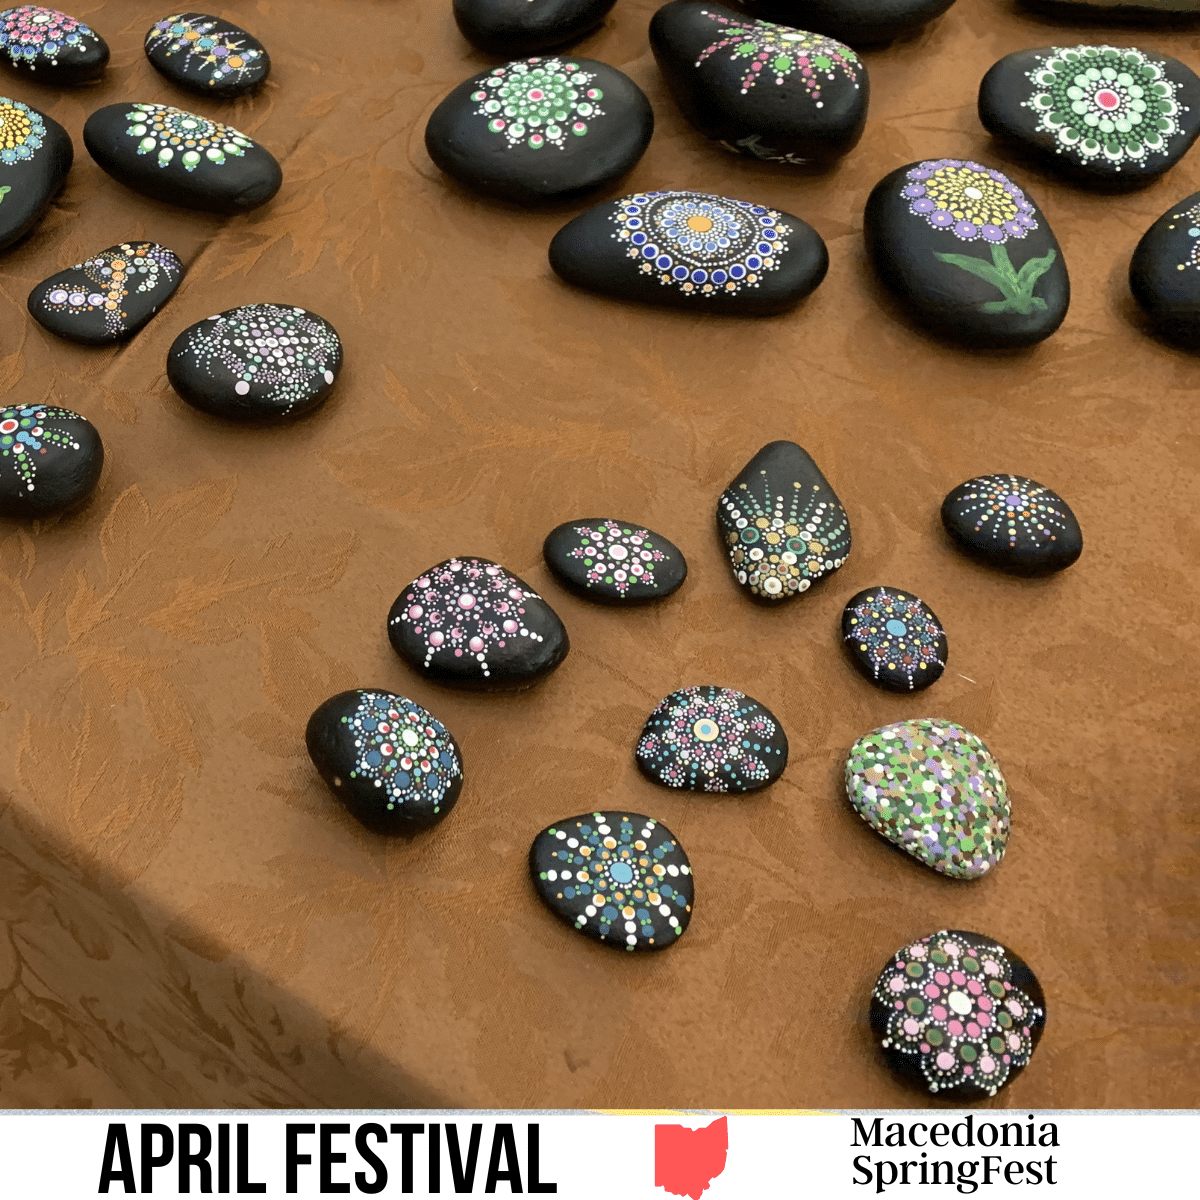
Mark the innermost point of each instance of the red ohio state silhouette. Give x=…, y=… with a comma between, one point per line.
x=686, y=1161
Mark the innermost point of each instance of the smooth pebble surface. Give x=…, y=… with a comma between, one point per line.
x=35, y=156
x=207, y=55
x=859, y=22
x=512, y=28
x=50, y=46
x=50, y=459
x=894, y=639
x=614, y=562
x=1164, y=273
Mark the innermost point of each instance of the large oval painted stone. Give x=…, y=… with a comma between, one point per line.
x=260, y=362
x=207, y=54
x=541, y=129
x=712, y=739
x=35, y=156
x=616, y=877
x=614, y=562
x=51, y=46
x=894, y=639
x=1094, y=114
x=1013, y=523
x=694, y=251
x=782, y=524
x=768, y=91
x=957, y=1015
x=514, y=28
x=109, y=297
x=1164, y=273
x=968, y=254
x=859, y=22
x=933, y=789
x=393, y=764
x=469, y=623
x=50, y=460
x=182, y=158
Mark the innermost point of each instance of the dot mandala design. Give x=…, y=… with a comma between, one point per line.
x=22, y=131
x=899, y=635
x=768, y=49
x=402, y=750
x=539, y=101
x=709, y=739
x=1104, y=104
x=1189, y=221
x=466, y=606
x=970, y=200
x=31, y=32
x=174, y=131
x=216, y=55
x=617, y=555
x=139, y=267
x=703, y=245
x=932, y=788
x=628, y=879
x=953, y=1008
x=1008, y=507
x=26, y=433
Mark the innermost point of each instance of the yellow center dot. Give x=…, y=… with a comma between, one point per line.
x=699, y=224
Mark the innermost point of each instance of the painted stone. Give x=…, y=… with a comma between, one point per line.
x=894, y=639
x=393, y=764
x=782, y=524
x=50, y=460
x=614, y=562
x=957, y=1015
x=933, y=789
x=859, y=22
x=1164, y=273
x=469, y=623
x=712, y=739
x=1013, y=523
x=1115, y=116
x=207, y=55
x=50, y=46
x=767, y=91
x=968, y=254
x=514, y=28
x=616, y=877
x=109, y=297
x=694, y=251
x=541, y=129
x=182, y=158
x=258, y=362
x=35, y=156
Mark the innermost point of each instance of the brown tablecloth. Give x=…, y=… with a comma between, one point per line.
x=191, y=918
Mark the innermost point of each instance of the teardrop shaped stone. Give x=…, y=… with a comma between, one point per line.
x=859, y=22
x=895, y=639
x=1164, y=273
x=616, y=877
x=50, y=46
x=207, y=55
x=782, y=524
x=50, y=459
x=515, y=28
x=35, y=156
x=933, y=789
x=614, y=562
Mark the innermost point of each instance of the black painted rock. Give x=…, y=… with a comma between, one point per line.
x=182, y=158
x=614, y=562
x=469, y=623
x=513, y=28
x=541, y=129
x=1164, y=273
x=768, y=91
x=109, y=297
x=894, y=639
x=1013, y=523
x=50, y=459
x=617, y=877
x=859, y=22
x=957, y=1014
x=35, y=156
x=258, y=362
x=967, y=253
x=51, y=46
x=207, y=55
x=782, y=524
x=394, y=765
x=1094, y=114
x=694, y=251
x=712, y=739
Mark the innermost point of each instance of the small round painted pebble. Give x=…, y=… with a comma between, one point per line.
x=933, y=789
x=35, y=156
x=1164, y=273
x=616, y=877
x=957, y=1015
x=50, y=459
x=258, y=362
x=894, y=639
x=1013, y=523
x=712, y=739
x=207, y=55
x=393, y=764
x=51, y=46
x=614, y=562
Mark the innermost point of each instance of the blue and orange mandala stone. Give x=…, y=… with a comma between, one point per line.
x=894, y=639
x=618, y=878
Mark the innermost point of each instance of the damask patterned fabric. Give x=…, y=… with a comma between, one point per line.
x=190, y=918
